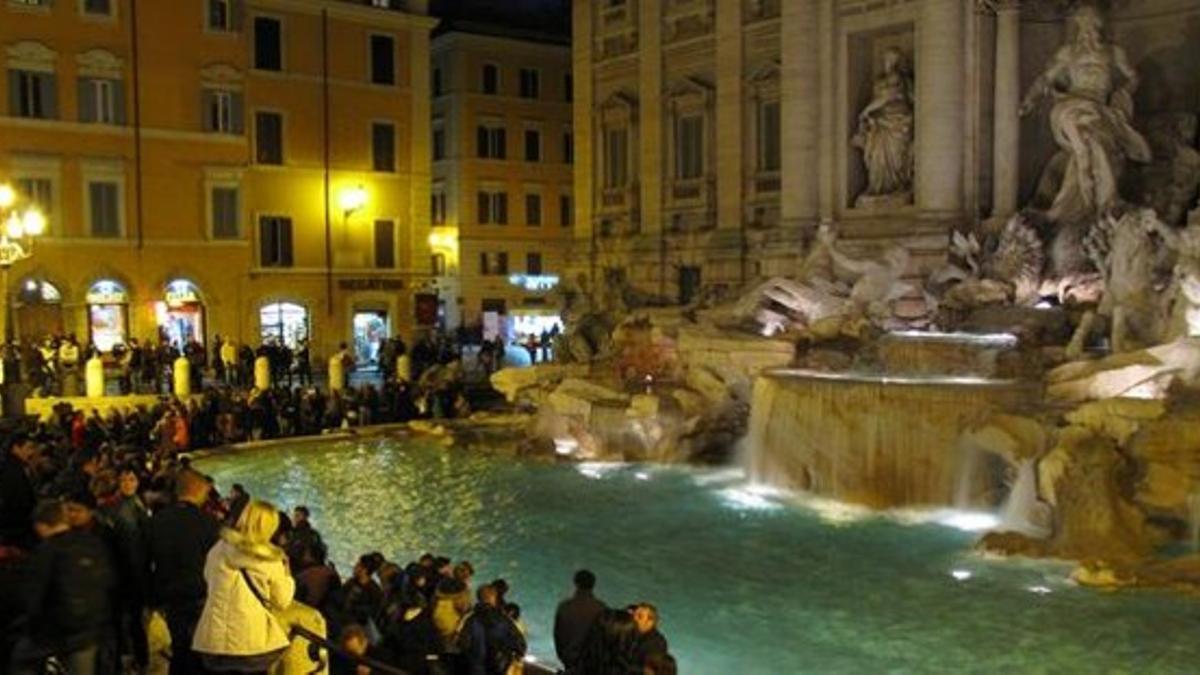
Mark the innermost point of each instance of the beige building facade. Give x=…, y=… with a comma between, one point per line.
x=716, y=136
x=503, y=150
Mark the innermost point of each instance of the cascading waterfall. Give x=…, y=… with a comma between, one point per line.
x=878, y=440
x=1022, y=511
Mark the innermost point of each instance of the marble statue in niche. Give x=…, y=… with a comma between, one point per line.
x=1091, y=83
x=885, y=136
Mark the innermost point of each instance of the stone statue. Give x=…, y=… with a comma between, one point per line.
x=1092, y=84
x=885, y=136
x=1171, y=183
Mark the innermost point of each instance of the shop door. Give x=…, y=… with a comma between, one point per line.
x=370, y=330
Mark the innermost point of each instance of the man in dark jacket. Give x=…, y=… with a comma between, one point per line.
x=18, y=495
x=489, y=641
x=574, y=618
x=179, y=540
x=68, y=595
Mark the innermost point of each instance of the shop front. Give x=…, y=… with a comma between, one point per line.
x=180, y=314
x=283, y=322
x=108, y=314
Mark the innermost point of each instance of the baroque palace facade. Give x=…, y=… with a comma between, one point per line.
x=236, y=167
x=714, y=137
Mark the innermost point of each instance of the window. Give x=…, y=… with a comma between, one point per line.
x=493, y=208
x=533, y=209
x=501, y=267
x=566, y=211
x=533, y=145
x=223, y=15
x=437, y=264
x=568, y=87
x=530, y=84
x=438, y=208
x=491, y=79
x=485, y=267
x=104, y=207
x=436, y=82
x=101, y=101
x=439, y=143
x=768, y=137
x=226, y=220
x=533, y=263
x=383, y=146
x=275, y=241
x=39, y=192
x=223, y=111
x=491, y=141
x=616, y=148
x=689, y=147
x=568, y=147
x=32, y=94
x=383, y=59
x=385, y=244
x=268, y=43
x=268, y=138
x=98, y=7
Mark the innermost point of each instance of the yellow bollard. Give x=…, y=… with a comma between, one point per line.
x=183, y=377
x=262, y=373
x=337, y=372
x=94, y=372
x=403, y=368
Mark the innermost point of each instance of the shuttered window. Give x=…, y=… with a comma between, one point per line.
x=104, y=206
x=275, y=241
x=32, y=94
x=385, y=244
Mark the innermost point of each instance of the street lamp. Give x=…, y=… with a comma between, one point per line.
x=16, y=244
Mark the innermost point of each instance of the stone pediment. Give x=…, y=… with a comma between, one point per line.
x=100, y=63
x=619, y=106
x=689, y=86
x=31, y=55
x=767, y=73
x=221, y=73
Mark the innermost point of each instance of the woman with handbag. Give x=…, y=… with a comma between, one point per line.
x=248, y=584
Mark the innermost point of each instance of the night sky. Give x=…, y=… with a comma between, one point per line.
x=552, y=16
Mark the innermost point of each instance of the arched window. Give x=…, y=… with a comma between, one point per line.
x=39, y=292
x=284, y=321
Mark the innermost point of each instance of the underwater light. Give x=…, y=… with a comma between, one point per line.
x=1040, y=590
x=565, y=446
x=642, y=475
x=961, y=575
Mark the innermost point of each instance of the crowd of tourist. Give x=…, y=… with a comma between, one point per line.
x=128, y=527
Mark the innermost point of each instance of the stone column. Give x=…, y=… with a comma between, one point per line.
x=801, y=108
x=1006, y=124
x=941, y=102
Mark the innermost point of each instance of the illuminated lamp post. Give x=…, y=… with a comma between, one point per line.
x=16, y=244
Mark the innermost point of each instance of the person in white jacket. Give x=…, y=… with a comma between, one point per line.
x=248, y=583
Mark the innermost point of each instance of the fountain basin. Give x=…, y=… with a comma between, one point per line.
x=879, y=440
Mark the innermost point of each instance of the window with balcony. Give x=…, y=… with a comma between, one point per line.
x=493, y=207
x=268, y=138
x=101, y=101
x=275, y=241
x=533, y=145
x=385, y=244
x=491, y=141
x=268, y=43
x=491, y=79
x=32, y=94
x=383, y=59
x=533, y=209
x=383, y=146
x=223, y=111
x=689, y=147
x=530, y=83
x=225, y=220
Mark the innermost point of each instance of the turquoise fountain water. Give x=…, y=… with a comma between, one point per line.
x=747, y=582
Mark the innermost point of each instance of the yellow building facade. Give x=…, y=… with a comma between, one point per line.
x=502, y=197
x=235, y=167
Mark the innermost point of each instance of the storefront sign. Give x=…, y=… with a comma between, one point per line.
x=534, y=282
x=371, y=284
x=107, y=293
x=180, y=293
